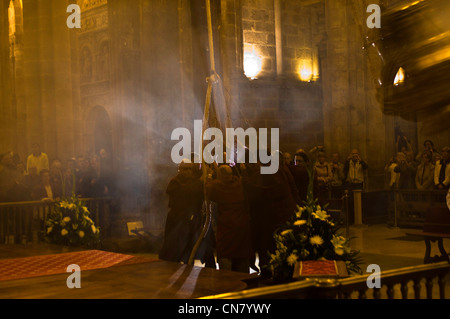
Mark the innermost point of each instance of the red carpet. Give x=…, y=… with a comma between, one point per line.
x=19, y=268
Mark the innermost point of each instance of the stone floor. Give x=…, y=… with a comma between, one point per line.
x=391, y=248
x=388, y=247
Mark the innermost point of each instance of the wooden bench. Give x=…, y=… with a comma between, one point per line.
x=435, y=229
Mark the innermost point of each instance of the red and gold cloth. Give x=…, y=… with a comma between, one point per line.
x=37, y=266
x=314, y=268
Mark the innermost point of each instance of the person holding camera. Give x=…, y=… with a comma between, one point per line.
x=355, y=171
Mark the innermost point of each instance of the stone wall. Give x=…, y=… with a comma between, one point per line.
x=277, y=98
x=143, y=68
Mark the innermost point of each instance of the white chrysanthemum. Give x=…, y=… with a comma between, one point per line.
x=316, y=240
x=81, y=234
x=66, y=219
x=64, y=232
x=292, y=259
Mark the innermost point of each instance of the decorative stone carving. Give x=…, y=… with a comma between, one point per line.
x=86, y=64
x=91, y=4
x=103, y=61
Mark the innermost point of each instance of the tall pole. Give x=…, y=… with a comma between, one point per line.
x=205, y=125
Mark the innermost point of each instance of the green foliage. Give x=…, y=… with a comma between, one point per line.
x=310, y=235
x=69, y=224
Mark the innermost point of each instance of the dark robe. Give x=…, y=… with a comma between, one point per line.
x=271, y=205
x=184, y=219
x=233, y=237
x=301, y=179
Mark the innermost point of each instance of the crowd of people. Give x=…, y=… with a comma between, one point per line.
x=246, y=206
x=428, y=170
x=39, y=179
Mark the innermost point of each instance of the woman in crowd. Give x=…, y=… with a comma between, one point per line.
x=425, y=172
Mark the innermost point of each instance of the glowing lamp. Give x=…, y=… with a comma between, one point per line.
x=252, y=64
x=399, y=77
x=305, y=71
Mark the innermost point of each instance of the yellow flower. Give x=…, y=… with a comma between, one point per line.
x=316, y=240
x=64, y=204
x=49, y=230
x=299, y=222
x=292, y=259
x=66, y=219
x=71, y=206
x=340, y=245
x=321, y=214
x=300, y=211
x=81, y=234
x=85, y=209
x=64, y=232
x=74, y=226
x=94, y=230
x=285, y=232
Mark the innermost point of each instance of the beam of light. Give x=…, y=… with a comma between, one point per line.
x=252, y=64
x=435, y=58
x=411, y=4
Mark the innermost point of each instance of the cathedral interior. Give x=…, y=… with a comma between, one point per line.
x=133, y=71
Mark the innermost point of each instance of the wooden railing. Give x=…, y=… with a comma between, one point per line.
x=409, y=207
x=416, y=282
x=406, y=207
x=24, y=222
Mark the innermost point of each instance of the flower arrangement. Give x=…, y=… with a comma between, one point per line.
x=69, y=224
x=310, y=235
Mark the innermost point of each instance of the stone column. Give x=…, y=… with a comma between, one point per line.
x=231, y=53
x=63, y=88
x=336, y=79
x=6, y=121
